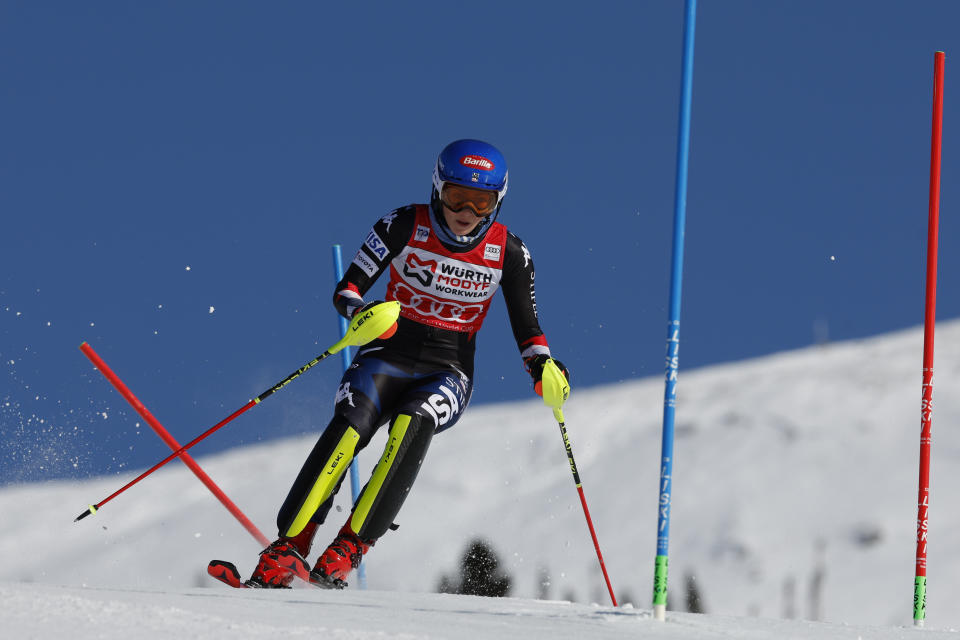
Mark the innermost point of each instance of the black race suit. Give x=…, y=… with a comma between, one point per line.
x=423, y=373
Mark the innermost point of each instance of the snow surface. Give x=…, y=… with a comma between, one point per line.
x=45, y=611
x=792, y=471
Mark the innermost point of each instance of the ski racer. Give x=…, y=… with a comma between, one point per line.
x=444, y=261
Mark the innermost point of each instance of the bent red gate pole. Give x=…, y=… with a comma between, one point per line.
x=172, y=443
x=378, y=321
x=929, y=324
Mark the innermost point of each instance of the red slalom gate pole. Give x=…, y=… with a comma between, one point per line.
x=172, y=443
x=929, y=324
x=379, y=320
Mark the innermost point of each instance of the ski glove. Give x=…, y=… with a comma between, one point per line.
x=369, y=305
x=534, y=366
x=365, y=307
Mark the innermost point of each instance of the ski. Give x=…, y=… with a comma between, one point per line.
x=226, y=572
x=285, y=564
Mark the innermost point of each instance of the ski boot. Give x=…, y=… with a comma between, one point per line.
x=279, y=564
x=342, y=556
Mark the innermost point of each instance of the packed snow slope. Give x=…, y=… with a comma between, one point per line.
x=47, y=611
x=795, y=484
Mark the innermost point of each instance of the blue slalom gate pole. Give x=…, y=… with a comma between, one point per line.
x=673, y=324
x=346, y=358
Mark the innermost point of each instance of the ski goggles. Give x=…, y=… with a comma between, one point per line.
x=457, y=198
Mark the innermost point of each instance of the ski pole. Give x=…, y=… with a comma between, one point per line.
x=375, y=322
x=556, y=390
x=171, y=442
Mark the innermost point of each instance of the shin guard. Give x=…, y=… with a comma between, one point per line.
x=381, y=499
x=318, y=479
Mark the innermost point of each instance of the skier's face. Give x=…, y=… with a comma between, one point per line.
x=456, y=196
x=462, y=222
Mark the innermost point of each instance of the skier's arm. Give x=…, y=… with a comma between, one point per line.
x=517, y=284
x=384, y=242
x=521, y=297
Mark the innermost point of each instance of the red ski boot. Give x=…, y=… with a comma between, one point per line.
x=279, y=564
x=342, y=556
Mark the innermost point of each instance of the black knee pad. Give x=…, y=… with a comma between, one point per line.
x=381, y=498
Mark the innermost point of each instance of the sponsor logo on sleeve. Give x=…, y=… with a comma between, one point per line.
x=423, y=232
x=362, y=261
x=388, y=219
x=491, y=252
x=376, y=245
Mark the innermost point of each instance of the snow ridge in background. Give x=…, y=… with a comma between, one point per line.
x=791, y=470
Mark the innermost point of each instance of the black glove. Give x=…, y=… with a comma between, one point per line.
x=366, y=306
x=534, y=366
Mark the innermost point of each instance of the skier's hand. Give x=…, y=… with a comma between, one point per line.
x=366, y=307
x=534, y=366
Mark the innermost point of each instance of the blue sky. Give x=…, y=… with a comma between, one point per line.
x=162, y=159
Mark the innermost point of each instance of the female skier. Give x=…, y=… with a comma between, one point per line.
x=446, y=260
